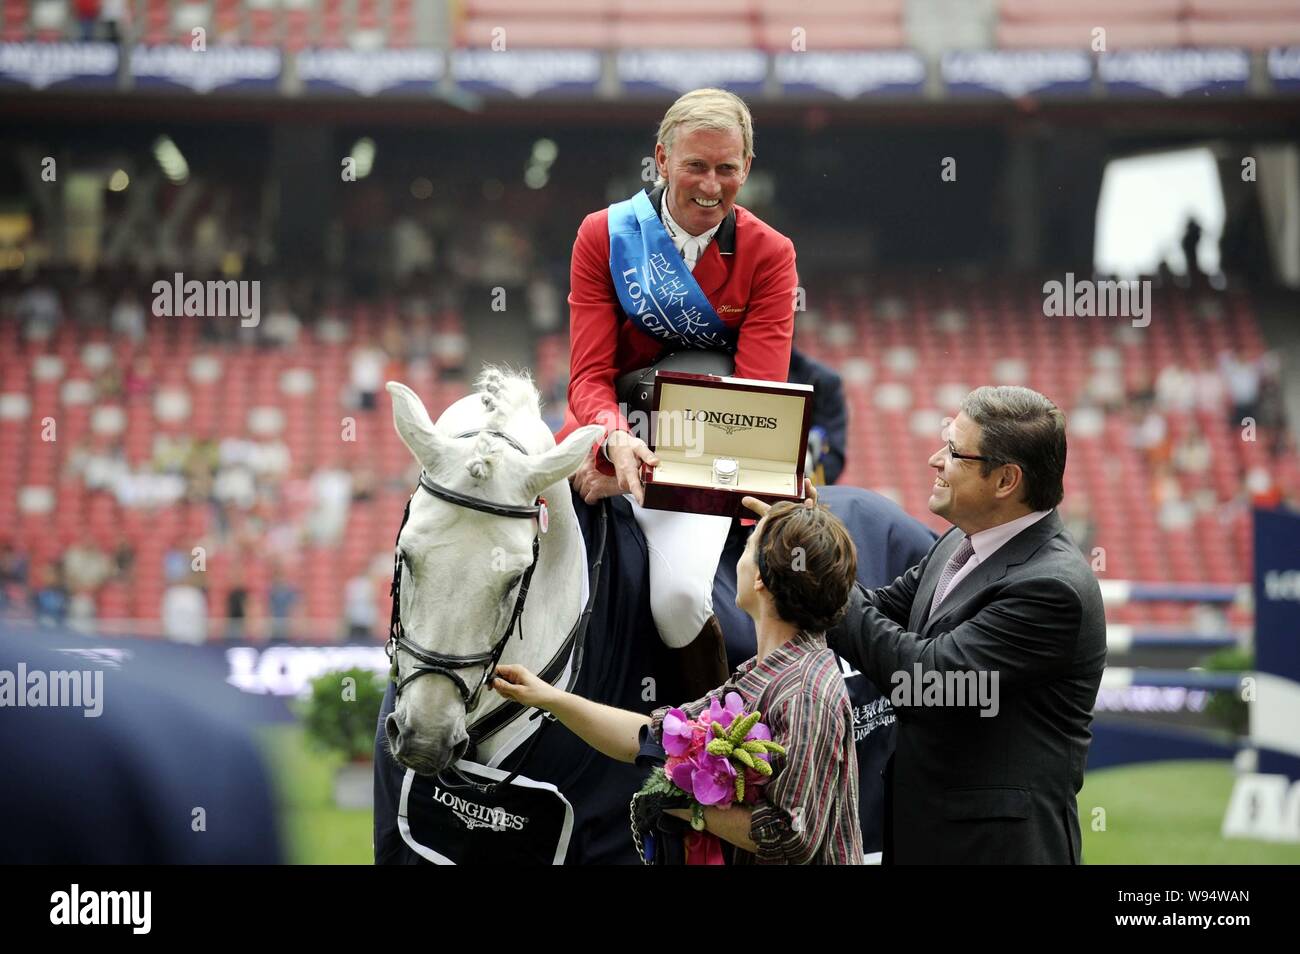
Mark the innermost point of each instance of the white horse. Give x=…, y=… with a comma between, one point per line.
x=462, y=567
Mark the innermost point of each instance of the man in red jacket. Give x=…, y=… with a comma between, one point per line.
x=735, y=295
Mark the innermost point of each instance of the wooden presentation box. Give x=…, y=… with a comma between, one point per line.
x=700, y=418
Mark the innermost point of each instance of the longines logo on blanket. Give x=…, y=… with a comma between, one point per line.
x=473, y=815
x=730, y=421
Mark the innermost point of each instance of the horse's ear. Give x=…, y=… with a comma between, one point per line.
x=414, y=426
x=561, y=461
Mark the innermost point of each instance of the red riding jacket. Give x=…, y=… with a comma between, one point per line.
x=748, y=274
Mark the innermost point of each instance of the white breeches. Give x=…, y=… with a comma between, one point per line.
x=684, y=549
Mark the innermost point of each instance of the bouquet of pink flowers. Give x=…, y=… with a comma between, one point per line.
x=721, y=758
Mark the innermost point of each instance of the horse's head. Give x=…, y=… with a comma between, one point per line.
x=461, y=567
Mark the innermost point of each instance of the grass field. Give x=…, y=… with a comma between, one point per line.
x=1166, y=813
x=313, y=830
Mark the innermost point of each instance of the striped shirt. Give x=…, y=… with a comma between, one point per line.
x=808, y=813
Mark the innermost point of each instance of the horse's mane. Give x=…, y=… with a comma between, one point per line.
x=503, y=392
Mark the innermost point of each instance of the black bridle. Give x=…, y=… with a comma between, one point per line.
x=443, y=664
x=447, y=665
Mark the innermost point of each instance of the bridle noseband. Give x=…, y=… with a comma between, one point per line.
x=443, y=664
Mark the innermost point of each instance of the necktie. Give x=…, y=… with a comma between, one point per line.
x=692, y=250
x=958, y=560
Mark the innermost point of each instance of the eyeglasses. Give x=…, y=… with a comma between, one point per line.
x=952, y=451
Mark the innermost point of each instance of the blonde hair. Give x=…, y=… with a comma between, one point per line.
x=707, y=108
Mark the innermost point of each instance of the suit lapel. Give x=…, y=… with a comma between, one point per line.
x=711, y=271
x=1014, y=552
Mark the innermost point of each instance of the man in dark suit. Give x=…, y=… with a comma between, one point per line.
x=1004, y=601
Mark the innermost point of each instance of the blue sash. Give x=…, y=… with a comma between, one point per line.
x=654, y=286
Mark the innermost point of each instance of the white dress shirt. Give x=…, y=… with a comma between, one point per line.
x=690, y=246
x=990, y=541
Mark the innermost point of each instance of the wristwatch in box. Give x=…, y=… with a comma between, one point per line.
x=721, y=439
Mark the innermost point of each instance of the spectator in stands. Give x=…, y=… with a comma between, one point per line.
x=86, y=567
x=1263, y=489
x=1241, y=379
x=87, y=17
x=544, y=311
x=81, y=611
x=127, y=320
x=283, y=598
x=1191, y=243
x=237, y=601
x=39, y=310
x=124, y=561
x=50, y=602
x=185, y=611
x=1272, y=407
x=367, y=375
x=363, y=484
x=281, y=326
x=332, y=490
x=1175, y=389
x=1077, y=516
x=1192, y=454
x=13, y=576
x=1209, y=389
x=1150, y=435
x=1172, y=510
x=359, y=606
x=140, y=378
x=108, y=385
x=116, y=17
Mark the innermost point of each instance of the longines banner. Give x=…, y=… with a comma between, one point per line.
x=1015, y=73
x=48, y=65
x=741, y=71
x=1175, y=72
x=371, y=71
x=526, y=73
x=1284, y=67
x=849, y=75
x=218, y=67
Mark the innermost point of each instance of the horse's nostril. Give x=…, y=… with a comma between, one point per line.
x=458, y=752
x=392, y=732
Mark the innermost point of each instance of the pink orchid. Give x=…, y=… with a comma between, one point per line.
x=714, y=781
x=733, y=706
x=677, y=732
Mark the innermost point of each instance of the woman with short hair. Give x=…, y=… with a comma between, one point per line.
x=793, y=580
